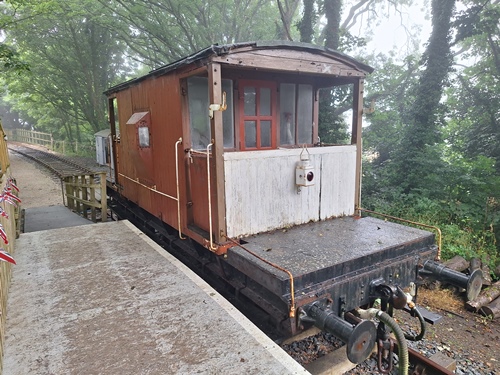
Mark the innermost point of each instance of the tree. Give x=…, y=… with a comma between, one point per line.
x=335, y=35
x=9, y=58
x=391, y=86
x=159, y=32
x=73, y=58
x=473, y=131
x=287, y=11
x=10, y=61
x=475, y=98
x=333, y=13
x=417, y=158
x=306, y=24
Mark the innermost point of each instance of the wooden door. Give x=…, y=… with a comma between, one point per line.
x=198, y=207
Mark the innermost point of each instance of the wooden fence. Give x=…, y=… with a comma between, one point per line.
x=10, y=227
x=31, y=137
x=83, y=194
x=47, y=140
x=86, y=195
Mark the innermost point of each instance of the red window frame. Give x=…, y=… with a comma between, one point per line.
x=257, y=117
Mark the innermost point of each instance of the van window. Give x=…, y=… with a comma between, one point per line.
x=257, y=115
x=198, y=101
x=296, y=114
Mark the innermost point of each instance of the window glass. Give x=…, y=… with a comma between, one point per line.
x=114, y=108
x=337, y=130
x=250, y=134
x=198, y=112
x=143, y=133
x=250, y=101
x=228, y=114
x=305, y=114
x=265, y=134
x=257, y=114
x=287, y=114
x=265, y=101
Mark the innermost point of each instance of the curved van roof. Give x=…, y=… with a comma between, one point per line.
x=220, y=51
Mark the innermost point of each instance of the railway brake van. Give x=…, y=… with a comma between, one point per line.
x=219, y=154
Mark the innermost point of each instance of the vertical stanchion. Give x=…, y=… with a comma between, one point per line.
x=104, y=198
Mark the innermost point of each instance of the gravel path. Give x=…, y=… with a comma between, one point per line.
x=37, y=187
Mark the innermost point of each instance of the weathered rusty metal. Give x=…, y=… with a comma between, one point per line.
x=359, y=339
x=423, y=365
x=385, y=350
x=472, y=283
x=292, y=289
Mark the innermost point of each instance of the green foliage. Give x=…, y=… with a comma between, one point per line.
x=332, y=127
x=467, y=212
x=472, y=234
x=73, y=58
x=10, y=61
x=422, y=131
x=474, y=98
x=457, y=161
x=306, y=24
x=162, y=32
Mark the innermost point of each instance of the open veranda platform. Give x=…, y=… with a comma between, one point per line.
x=315, y=252
x=105, y=299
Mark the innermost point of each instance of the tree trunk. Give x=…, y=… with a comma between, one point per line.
x=306, y=24
x=486, y=275
x=333, y=11
x=475, y=264
x=485, y=297
x=328, y=121
x=492, y=309
x=457, y=263
x=416, y=155
x=287, y=11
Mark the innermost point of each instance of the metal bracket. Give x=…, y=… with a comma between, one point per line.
x=217, y=107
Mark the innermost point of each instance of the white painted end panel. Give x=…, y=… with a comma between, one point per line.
x=338, y=181
x=261, y=194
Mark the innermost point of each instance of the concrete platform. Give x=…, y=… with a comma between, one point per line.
x=51, y=217
x=105, y=299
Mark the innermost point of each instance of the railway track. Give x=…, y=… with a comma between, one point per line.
x=63, y=167
x=58, y=165
x=330, y=354
x=83, y=183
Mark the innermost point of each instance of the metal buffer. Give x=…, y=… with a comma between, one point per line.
x=472, y=283
x=359, y=339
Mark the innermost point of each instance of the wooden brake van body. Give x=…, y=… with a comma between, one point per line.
x=239, y=124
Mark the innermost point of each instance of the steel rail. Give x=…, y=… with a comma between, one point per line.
x=424, y=365
x=55, y=163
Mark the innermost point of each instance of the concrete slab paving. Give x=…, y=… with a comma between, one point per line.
x=51, y=217
x=105, y=299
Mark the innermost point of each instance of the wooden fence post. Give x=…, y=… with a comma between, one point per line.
x=104, y=198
